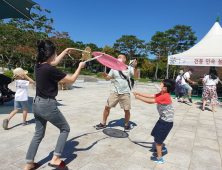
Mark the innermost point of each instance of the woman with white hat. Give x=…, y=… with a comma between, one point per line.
x=21, y=96
x=179, y=89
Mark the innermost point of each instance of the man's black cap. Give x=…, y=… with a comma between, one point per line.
x=191, y=69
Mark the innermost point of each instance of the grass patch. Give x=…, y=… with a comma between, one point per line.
x=144, y=80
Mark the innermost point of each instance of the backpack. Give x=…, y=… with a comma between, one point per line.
x=129, y=81
x=185, y=79
x=179, y=82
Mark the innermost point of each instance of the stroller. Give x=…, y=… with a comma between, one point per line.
x=5, y=96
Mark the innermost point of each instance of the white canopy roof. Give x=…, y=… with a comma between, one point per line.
x=210, y=47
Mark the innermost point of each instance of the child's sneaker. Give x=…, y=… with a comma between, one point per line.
x=5, y=124
x=160, y=161
x=26, y=123
x=164, y=149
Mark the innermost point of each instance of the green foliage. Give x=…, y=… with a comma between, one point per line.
x=181, y=38
x=86, y=72
x=31, y=75
x=99, y=75
x=147, y=69
x=9, y=73
x=130, y=45
x=18, y=37
x=110, y=51
x=94, y=47
x=170, y=42
x=144, y=80
x=82, y=72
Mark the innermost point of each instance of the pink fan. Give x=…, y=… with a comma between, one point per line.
x=106, y=60
x=109, y=61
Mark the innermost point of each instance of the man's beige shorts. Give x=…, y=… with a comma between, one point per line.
x=122, y=99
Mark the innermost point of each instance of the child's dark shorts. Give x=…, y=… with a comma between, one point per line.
x=161, y=130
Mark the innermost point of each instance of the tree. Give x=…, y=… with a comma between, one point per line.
x=181, y=39
x=130, y=45
x=110, y=51
x=94, y=47
x=158, y=45
x=147, y=68
x=62, y=41
x=170, y=42
x=18, y=37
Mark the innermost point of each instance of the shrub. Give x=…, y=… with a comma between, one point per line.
x=86, y=72
x=31, y=75
x=9, y=73
x=99, y=75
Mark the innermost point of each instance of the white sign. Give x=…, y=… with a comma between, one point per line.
x=195, y=61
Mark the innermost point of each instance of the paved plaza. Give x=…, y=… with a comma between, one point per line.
x=194, y=143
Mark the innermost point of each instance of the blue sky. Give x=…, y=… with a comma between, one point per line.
x=104, y=21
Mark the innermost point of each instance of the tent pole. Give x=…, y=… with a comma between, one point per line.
x=167, y=68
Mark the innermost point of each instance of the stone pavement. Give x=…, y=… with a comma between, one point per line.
x=194, y=143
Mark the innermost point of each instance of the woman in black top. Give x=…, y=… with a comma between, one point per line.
x=44, y=106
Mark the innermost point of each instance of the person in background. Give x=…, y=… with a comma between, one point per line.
x=9, y=67
x=186, y=86
x=210, y=93
x=179, y=89
x=9, y=91
x=21, y=96
x=204, y=85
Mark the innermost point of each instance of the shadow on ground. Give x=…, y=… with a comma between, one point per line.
x=70, y=149
x=20, y=124
x=30, y=101
x=121, y=123
x=77, y=87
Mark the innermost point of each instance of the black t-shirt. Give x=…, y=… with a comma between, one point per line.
x=47, y=78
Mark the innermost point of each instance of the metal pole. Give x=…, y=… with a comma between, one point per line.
x=167, y=68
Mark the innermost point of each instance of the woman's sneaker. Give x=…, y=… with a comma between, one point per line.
x=160, y=161
x=5, y=124
x=100, y=126
x=164, y=149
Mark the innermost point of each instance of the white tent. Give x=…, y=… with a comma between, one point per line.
x=208, y=52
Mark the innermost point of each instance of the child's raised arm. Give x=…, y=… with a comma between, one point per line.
x=144, y=95
x=150, y=101
x=27, y=77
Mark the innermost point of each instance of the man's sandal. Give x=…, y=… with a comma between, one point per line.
x=62, y=165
